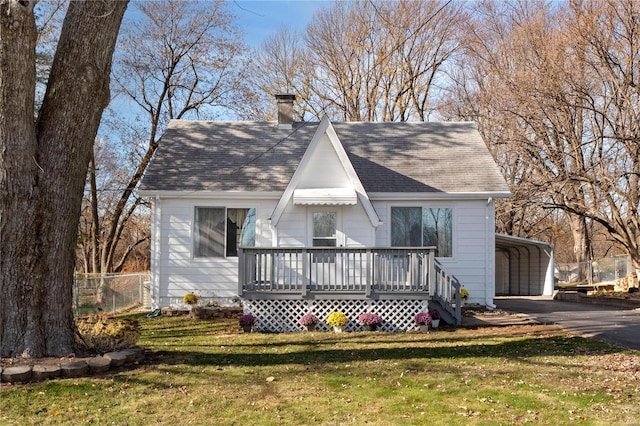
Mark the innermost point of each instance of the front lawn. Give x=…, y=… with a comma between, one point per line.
x=209, y=372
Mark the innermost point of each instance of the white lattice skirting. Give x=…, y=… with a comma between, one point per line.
x=284, y=315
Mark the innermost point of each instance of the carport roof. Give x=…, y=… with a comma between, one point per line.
x=510, y=241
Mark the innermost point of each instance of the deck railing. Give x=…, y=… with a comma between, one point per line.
x=336, y=271
x=346, y=273
x=447, y=292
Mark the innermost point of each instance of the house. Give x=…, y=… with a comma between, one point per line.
x=296, y=216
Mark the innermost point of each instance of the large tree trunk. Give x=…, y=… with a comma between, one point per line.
x=42, y=177
x=581, y=245
x=21, y=286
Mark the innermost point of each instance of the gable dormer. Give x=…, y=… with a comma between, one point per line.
x=325, y=176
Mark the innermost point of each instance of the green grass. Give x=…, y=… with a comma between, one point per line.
x=208, y=372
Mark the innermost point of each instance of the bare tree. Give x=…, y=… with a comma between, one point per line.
x=281, y=65
x=608, y=44
x=559, y=82
x=178, y=60
x=43, y=166
x=376, y=61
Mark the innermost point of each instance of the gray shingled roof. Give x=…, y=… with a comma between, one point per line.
x=257, y=156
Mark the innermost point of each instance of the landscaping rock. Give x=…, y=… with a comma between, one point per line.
x=139, y=353
x=130, y=355
x=213, y=312
x=172, y=312
x=74, y=369
x=117, y=358
x=46, y=371
x=20, y=373
x=99, y=364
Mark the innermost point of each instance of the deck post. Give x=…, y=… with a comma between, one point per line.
x=369, y=273
x=241, y=271
x=306, y=272
x=432, y=273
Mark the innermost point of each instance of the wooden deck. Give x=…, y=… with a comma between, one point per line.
x=410, y=273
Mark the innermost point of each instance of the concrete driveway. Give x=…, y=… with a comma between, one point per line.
x=612, y=324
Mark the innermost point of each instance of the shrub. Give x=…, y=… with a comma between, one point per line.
x=106, y=335
x=337, y=319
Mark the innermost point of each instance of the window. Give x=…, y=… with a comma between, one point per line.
x=324, y=235
x=218, y=231
x=422, y=227
x=324, y=229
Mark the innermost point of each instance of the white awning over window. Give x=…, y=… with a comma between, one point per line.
x=325, y=196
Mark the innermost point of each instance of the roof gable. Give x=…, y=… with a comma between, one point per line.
x=325, y=149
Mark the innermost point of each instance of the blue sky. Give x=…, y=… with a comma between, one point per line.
x=258, y=19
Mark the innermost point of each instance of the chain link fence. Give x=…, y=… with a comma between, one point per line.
x=111, y=293
x=610, y=270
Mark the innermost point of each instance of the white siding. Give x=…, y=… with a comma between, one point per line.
x=357, y=227
x=175, y=271
x=473, y=234
x=292, y=228
x=354, y=227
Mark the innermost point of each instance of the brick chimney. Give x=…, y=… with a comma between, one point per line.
x=285, y=110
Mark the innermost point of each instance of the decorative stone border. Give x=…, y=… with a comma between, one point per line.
x=619, y=302
x=203, y=312
x=99, y=364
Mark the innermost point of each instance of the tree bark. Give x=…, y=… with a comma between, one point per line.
x=43, y=169
x=581, y=244
x=21, y=286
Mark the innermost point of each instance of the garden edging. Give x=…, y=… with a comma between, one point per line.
x=98, y=364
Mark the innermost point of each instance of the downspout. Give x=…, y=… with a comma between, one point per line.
x=490, y=233
x=155, y=289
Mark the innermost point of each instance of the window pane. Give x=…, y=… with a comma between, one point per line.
x=437, y=230
x=248, y=233
x=209, y=227
x=324, y=224
x=406, y=224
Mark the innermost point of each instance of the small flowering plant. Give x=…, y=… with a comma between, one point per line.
x=337, y=319
x=422, y=318
x=246, y=320
x=434, y=313
x=309, y=319
x=464, y=293
x=369, y=319
x=190, y=299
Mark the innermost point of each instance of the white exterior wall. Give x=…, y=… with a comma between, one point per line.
x=354, y=227
x=292, y=228
x=174, y=269
x=176, y=272
x=473, y=260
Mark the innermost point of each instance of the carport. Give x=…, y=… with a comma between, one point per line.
x=524, y=267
